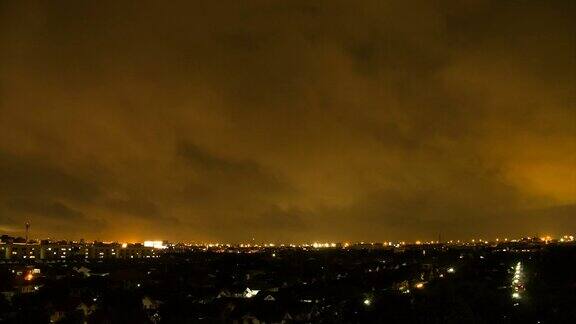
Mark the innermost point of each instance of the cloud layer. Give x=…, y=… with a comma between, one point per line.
x=288, y=120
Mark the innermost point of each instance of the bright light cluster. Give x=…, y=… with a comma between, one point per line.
x=517, y=282
x=249, y=293
x=567, y=238
x=323, y=245
x=155, y=244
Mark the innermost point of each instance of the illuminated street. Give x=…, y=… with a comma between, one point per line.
x=517, y=283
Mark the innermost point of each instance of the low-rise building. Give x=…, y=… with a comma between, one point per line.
x=138, y=251
x=59, y=251
x=20, y=251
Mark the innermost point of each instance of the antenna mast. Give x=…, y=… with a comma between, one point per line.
x=27, y=231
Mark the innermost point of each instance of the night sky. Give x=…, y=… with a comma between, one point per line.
x=287, y=121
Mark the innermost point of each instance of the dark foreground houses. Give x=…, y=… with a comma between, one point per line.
x=506, y=281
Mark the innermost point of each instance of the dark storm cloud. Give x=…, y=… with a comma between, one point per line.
x=50, y=209
x=49, y=217
x=289, y=120
x=229, y=172
x=33, y=176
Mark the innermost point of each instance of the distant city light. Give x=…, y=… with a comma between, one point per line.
x=367, y=302
x=450, y=270
x=155, y=244
x=516, y=295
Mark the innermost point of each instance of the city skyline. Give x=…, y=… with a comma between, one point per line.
x=287, y=121
x=26, y=238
